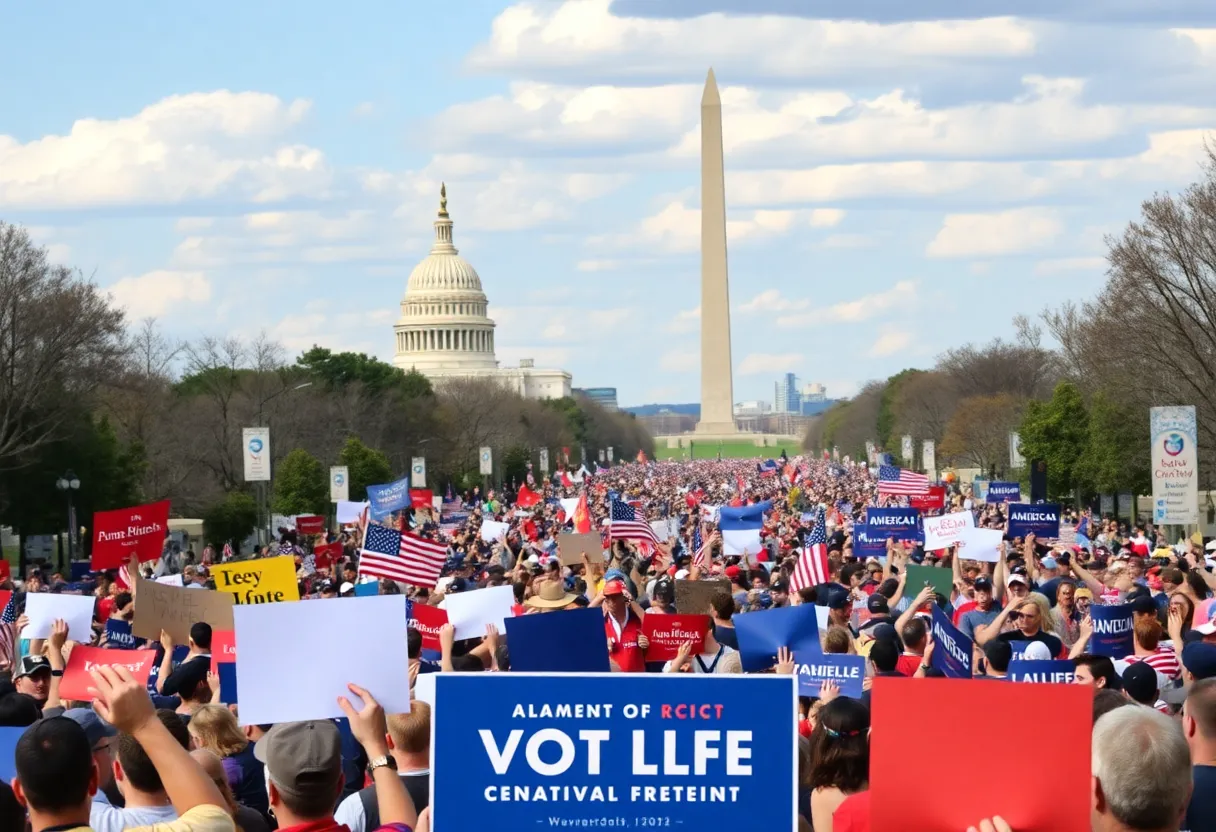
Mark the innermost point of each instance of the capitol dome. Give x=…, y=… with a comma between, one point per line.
x=443, y=328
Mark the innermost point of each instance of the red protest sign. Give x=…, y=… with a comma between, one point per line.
x=935, y=499
x=6, y=570
x=917, y=713
x=427, y=620
x=327, y=554
x=76, y=679
x=310, y=524
x=223, y=648
x=667, y=632
x=139, y=529
x=421, y=498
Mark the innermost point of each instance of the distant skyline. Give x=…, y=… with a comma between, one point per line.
x=901, y=178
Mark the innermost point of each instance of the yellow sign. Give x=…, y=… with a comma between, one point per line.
x=261, y=581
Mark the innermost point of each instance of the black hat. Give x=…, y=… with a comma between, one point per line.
x=983, y=583
x=1144, y=604
x=29, y=665
x=877, y=604
x=1140, y=682
x=838, y=598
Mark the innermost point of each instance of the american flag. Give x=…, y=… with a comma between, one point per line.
x=812, y=567
x=401, y=556
x=899, y=482
x=8, y=629
x=623, y=524
x=700, y=549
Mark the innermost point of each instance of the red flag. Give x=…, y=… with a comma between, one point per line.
x=118, y=533
x=566, y=481
x=582, y=515
x=527, y=497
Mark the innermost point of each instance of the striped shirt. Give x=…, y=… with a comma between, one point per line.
x=1164, y=661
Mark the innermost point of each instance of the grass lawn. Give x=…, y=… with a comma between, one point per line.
x=730, y=450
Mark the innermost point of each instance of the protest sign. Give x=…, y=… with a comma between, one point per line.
x=119, y=533
x=223, y=648
x=1004, y=492
x=170, y=580
x=428, y=621
x=82, y=660
x=1058, y=671
x=952, y=651
x=567, y=641
x=493, y=531
x=308, y=524
x=934, y=500
x=8, y=751
x=1113, y=630
x=570, y=548
x=945, y=530
x=348, y=513
x=325, y=555
x=119, y=635
x=916, y=713
x=866, y=545
x=258, y=581
x=42, y=608
x=667, y=632
x=470, y=612
x=524, y=749
x=364, y=589
x=422, y=499
x=846, y=671
x=694, y=597
x=278, y=674
x=227, y=674
x=981, y=544
x=940, y=578
x=761, y=633
x=893, y=523
x=1040, y=519
x=174, y=609
x=387, y=498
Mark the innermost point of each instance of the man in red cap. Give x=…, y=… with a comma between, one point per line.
x=623, y=627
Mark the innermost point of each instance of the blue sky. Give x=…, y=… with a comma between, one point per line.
x=896, y=183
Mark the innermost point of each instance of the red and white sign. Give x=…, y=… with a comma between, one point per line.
x=310, y=524
x=421, y=498
x=947, y=529
x=428, y=620
x=223, y=648
x=667, y=632
x=327, y=554
x=139, y=529
x=83, y=660
x=933, y=501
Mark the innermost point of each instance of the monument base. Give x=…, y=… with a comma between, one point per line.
x=716, y=429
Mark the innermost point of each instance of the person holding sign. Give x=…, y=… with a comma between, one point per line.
x=623, y=627
x=714, y=658
x=1029, y=617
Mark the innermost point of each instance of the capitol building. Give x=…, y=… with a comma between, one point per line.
x=444, y=331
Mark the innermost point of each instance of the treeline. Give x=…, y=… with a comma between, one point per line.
x=139, y=417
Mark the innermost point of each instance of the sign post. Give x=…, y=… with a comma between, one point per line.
x=418, y=472
x=255, y=443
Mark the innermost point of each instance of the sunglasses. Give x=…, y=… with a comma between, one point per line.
x=1025, y=615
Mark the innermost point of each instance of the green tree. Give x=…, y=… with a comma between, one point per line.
x=335, y=370
x=367, y=466
x=1116, y=457
x=887, y=415
x=515, y=464
x=230, y=521
x=1057, y=431
x=300, y=485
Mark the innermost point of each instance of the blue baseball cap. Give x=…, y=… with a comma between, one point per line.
x=1200, y=659
x=95, y=728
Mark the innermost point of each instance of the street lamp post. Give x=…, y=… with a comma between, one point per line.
x=68, y=484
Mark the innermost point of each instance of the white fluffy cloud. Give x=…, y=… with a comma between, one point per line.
x=899, y=297
x=157, y=293
x=686, y=320
x=182, y=148
x=890, y=343
x=994, y=235
x=677, y=227
x=768, y=363
x=771, y=300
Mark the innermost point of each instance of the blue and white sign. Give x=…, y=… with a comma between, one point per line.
x=1004, y=492
x=385, y=499
x=1113, y=630
x=893, y=523
x=1040, y=519
x=952, y=651
x=846, y=671
x=256, y=444
x=118, y=634
x=339, y=484
x=639, y=750
x=866, y=545
x=1019, y=650
x=761, y=634
x=1061, y=671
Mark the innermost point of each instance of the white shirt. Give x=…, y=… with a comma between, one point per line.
x=106, y=818
x=710, y=663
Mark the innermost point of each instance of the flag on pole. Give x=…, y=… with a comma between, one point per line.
x=900, y=482
x=812, y=567
x=401, y=556
x=624, y=524
x=700, y=547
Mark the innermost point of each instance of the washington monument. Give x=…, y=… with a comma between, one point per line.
x=717, y=388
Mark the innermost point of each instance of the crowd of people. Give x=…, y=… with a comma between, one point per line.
x=173, y=756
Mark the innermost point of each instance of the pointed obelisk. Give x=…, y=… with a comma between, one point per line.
x=717, y=388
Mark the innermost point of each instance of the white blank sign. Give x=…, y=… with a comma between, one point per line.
x=295, y=659
x=470, y=612
x=42, y=608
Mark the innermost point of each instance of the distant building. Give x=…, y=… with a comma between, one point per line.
x=756, y=408
x=786, y=398
x=667, y=422
x=605, y=397
x=814, y=393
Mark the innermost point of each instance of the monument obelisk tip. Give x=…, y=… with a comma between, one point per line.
x=710, y=96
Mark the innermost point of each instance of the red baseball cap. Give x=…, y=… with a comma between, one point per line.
x=614, y=588
x=731, y=571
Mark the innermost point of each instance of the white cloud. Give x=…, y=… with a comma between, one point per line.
x=548, y=358
x=771, y=300
x=584, y=33
x=359, y=330
x=554, y=331
x=890, y=343
x=994, y=235
x=364, y=109
x=768, y=363
x=1070, y=264
x=901, y=296
x=680, y=361
x=677, y=227
x=156, y=293
x=686, y=320
x=182, y=148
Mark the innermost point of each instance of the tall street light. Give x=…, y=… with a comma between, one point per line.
x=68, y=484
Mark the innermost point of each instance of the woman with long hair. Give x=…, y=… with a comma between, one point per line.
x=215, y=728
x=244, y=818
x=1029, y=616
x=840, y=757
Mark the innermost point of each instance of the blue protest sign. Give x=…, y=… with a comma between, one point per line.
x=1000, y=492
x=1061, y=671
x=385, y=499
x=79, y=569
x=1040, y=519
x=848, y=672
x=227, y=674
x=570, y=641
x=952, y=651
x=893, y=523
x=365, y=588
x=866, y=545
x=1113, y=626
x=671, y=750
x=760, y=634
x=118, y=634
x=8, y=751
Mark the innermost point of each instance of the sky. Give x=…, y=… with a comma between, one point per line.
x=900, y=177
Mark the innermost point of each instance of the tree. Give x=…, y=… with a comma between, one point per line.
x=231, y=520
x=978, y=433
x=1116, y=457
x=885, y=421
x=1057, y=431
x=851, y=424
x=365, y=466
x=60, y=339
x=924, y=405
x=515, y=464
x=300, y=485
x=338, y=370
x=1024, y=369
